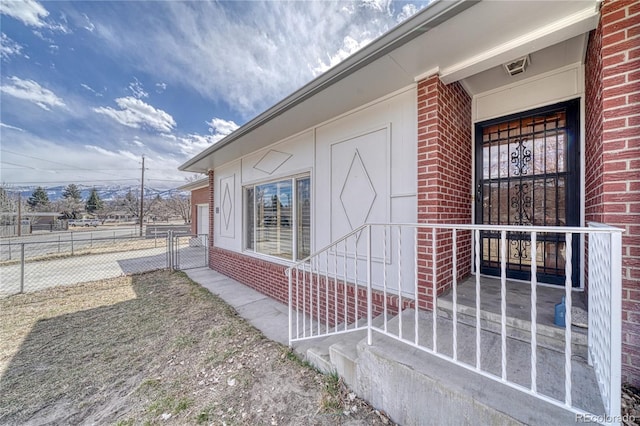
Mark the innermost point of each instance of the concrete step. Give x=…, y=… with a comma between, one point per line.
x=548, y=336
x=335, y=353
x=415, y=387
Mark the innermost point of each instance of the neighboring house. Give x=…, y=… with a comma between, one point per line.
x=42, y=218
x=199, y=190
x=485, y=113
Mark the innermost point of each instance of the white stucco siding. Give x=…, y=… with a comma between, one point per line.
x=379, y=141
x=291, y=156
x=366, y=171
x=228, y=207
x=363, y=168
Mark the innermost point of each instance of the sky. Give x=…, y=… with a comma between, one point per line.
x=89, y=87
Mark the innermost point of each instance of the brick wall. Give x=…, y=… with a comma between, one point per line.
x=613, y=153
x=444, y=180
x=198, y=196
x=320, y=296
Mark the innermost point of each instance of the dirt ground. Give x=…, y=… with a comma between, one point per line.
x=155, y=348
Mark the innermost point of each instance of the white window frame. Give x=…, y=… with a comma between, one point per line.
x=294, y=216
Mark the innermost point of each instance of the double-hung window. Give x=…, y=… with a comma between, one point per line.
x=278, y=218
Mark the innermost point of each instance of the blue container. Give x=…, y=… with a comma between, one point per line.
x=558, y=319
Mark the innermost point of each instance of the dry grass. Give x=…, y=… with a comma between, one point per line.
x=154, y=348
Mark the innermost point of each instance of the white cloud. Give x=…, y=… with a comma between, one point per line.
x=100, y=150
x=138, y=143
x=349, y=47
x=29, y=12
x=137, y=90
x=408, y=10
x=218, y=126
x=90, y=89
x=193, y=143
x=246, y=56
x=89, y=25
x=383, y=6
x=161, y=87
x=10, y=48
x=8, y=126
x=31, y=91
x=138, y=114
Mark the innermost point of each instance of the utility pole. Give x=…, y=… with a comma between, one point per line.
x=142, y=197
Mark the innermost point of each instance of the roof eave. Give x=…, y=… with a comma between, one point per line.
x=432, y=16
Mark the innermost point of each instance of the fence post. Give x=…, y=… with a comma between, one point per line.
x=176, y=252
x=9, y=248
x=155, y=237
x=58, y=243
x=206, y=249
x=22, y=268
x=72, y=244
x=170, y=250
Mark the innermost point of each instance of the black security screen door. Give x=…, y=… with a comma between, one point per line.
x=527, y=173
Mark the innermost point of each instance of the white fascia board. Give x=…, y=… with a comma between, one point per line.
x=426, y=74
x=556, y=32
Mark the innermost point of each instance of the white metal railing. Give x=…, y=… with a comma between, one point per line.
x=380, y=277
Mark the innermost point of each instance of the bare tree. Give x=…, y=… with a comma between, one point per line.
x=179, y=204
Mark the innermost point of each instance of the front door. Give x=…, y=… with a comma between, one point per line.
x=527, y=173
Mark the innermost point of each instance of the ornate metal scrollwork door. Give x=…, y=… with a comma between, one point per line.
x=527, y=173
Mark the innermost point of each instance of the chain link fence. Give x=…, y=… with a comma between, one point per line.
x=28, y=265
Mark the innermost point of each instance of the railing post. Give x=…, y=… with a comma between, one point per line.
x=369, y=295
x=616, y=325
x=22, y=268
x=534, y=314
x=477, y=270
x=567, y=318
x=288, y=272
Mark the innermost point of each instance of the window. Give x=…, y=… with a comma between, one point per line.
x=278, y=218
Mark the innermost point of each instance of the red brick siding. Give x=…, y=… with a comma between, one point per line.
x=269, y=278
x=198, y=196
x=444, y=181
x=613, y=153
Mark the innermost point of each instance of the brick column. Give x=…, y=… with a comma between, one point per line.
x=444, y=181
x=613, y=153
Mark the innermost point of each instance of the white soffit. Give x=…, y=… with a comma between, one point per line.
x=554, y=57
x=548, y=35
x=492, y=33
